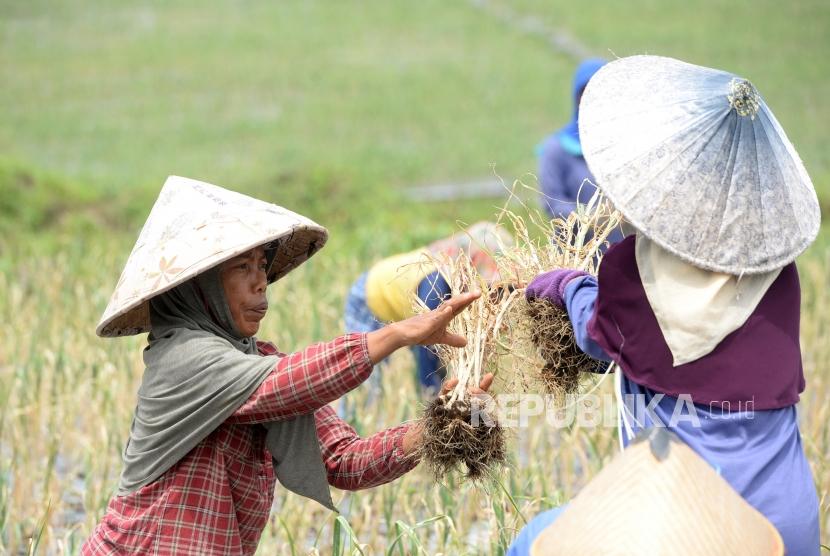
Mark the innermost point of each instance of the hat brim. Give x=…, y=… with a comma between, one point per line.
x=293, y=248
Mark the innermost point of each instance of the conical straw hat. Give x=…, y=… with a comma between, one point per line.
x=658, y=497
x=697, y=162
x=192, y=227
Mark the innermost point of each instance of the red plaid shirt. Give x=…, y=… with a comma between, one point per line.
x=216, y=500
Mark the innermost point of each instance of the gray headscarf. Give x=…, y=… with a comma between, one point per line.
x=199, y=370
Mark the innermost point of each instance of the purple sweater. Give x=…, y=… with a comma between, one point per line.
x=758, y=366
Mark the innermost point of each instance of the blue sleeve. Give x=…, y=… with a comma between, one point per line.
x=556, y=199
x=580, y=298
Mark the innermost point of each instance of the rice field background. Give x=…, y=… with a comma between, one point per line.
x=333, y=109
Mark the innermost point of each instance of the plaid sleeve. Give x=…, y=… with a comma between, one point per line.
x=355, y=463
x=307, y=380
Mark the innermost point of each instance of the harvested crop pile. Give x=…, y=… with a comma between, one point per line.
x=461, y=431
x=541, y=336
x=551, y=333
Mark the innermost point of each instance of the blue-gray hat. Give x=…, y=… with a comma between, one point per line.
x=696, y=161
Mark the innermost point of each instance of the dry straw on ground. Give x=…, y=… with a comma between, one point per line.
x=542, y=341
x=74, y=394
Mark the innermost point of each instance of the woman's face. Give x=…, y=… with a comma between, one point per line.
x=244, y=281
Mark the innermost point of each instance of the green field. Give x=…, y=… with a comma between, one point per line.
x=332, y=109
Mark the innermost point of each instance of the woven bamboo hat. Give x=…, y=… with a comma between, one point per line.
x=697, y=162
x=658, y=497
x=192, y=227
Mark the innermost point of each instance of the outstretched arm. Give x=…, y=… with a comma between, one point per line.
x=580, y=300
x=307, y=380
x=354, y=463
x=424, y=329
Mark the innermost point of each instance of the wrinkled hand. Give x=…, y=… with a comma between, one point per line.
x=426, y=329
x=482, y=388
x=431, y=328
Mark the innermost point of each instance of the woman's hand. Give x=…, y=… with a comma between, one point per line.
x=481, y=389
x=413, y=437
x=424, y=329
x=430, y=328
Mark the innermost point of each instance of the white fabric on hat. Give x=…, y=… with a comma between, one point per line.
x=696, y=161
x=696, y=308
x=192, y=227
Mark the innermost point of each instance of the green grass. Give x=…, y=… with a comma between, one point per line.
x=347, y=99
x=332, y=109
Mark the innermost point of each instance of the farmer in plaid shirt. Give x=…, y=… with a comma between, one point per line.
x=222, y=416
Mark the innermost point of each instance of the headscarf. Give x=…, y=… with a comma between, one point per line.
x=199, y=370
x=695, y=308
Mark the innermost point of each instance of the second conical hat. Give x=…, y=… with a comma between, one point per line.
x=659, y=497
x=192, y=227
x=695, y=159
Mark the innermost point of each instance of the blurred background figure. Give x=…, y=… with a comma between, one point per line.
x=562, y=168
x=384, y=293
x=564, y=177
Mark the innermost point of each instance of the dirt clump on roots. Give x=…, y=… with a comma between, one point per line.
x=452, y=442
x=553, y=335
